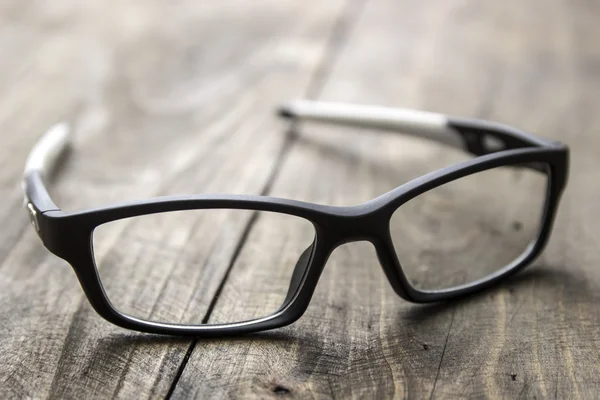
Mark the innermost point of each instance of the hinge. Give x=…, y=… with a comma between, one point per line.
x=33, y=217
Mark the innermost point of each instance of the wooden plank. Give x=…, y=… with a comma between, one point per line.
x=528, y=64
x=166, y=99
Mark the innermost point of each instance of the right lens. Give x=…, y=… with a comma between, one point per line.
x=470, y=228
x=168, y=267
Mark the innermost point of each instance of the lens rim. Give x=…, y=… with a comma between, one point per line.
x=502, y=270
x=557, y=161
x=250, y=219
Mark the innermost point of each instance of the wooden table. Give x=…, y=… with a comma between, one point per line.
x=178, y=97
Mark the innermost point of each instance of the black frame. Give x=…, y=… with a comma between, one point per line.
x=69, y=235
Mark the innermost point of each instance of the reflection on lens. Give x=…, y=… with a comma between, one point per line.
x=469, y=228
x=168, y=267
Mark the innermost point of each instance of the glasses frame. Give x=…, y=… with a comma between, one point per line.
x=69, y=235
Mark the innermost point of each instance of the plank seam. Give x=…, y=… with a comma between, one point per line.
x=277, y=167
x=341, y=31
x=437, y=375
x=338, y=36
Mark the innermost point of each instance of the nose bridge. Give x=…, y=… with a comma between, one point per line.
x=371, y=226
x=368, y=226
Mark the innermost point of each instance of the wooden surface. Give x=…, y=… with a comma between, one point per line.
x=172, y=98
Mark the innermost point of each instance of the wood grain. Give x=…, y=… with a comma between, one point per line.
x=178, y=98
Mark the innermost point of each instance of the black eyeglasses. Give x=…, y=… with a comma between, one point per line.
x=151, y=265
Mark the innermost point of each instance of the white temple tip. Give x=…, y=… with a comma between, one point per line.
x=289, y=109
x=59, y=134
x=50, y=147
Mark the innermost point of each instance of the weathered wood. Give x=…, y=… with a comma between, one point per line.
x=174, y=99
x=531, y=65
x=165, y=99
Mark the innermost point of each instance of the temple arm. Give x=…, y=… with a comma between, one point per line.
x=41, y=163
x=416, y=123
x=475, y=136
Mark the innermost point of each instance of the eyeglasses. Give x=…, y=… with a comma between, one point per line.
x=208, y=265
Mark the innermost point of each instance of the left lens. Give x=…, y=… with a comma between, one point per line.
x=470, y=228
x=169, y=267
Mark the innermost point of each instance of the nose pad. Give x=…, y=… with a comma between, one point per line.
x=299, y=270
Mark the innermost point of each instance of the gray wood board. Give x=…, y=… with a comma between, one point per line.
x=173, y=99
